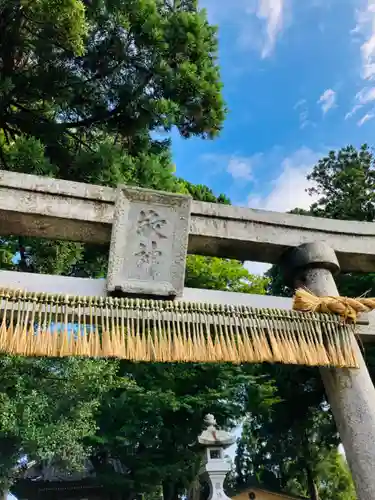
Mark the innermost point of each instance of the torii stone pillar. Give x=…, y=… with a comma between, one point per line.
x=216, y=466
x=350, y=393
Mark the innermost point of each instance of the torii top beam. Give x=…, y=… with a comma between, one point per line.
x=58, y=209
x=44, y=207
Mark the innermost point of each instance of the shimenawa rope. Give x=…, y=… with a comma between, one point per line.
x=345, y=307
x=40, y=324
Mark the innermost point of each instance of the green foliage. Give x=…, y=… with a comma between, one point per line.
x=200, y=192
x=48, y=409
x=222, y=274
x=26, y=154
x=6, y=255
x=335, y=479
x=164, y=409
x=345, y=183
x=62, y=22
x=283, y=445
x=74, y=75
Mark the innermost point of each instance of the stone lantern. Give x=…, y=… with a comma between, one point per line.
x=214, y=441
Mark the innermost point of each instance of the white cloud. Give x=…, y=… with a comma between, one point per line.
x=366, y=95
x=298, y=104
x=258, y=23
x=365, y=33
x=288, y=191
x=271, y=11
x=363, y=97
x=365, y=118
x=304, y=120
x=327, y=100
x=240, y=168
x=366, y=29
x=353, y=111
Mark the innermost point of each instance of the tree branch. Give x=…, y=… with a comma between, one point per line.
x=2, y=158
x=105, y=117
x=87, y=122
x=48, y=122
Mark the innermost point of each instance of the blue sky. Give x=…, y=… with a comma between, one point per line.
x=299, y=79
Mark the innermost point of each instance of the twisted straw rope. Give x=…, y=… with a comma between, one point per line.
x=42, y=324
x=347, y=308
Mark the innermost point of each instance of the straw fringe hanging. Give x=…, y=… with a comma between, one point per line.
x=42, y=324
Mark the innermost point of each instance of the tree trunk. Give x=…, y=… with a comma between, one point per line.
x=313, y=489
x=311, y=485
x=4, y=495
x=169, y=490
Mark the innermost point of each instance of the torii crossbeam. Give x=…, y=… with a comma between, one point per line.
x=150, y=234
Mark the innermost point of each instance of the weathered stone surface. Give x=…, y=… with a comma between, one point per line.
x=51, y=208
x=149, y=243
x=213, y=436
x=295, y=261
x=263, y=236
x=215, y=465
x=350, y=393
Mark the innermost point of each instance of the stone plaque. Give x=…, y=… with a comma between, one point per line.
x=149, y=243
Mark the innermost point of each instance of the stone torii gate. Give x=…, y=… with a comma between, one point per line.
x=150, y=234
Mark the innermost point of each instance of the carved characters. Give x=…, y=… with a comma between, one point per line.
x=150, y=228
x=149, y=222
x=148, y=256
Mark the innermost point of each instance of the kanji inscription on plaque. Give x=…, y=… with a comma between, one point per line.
x=149, y=243
x=150, y=223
